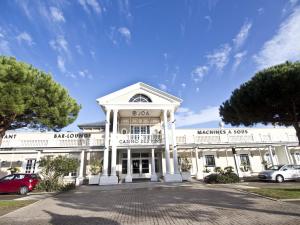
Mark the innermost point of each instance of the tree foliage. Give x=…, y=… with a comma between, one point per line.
x=30, y=97
x=272, y=96
x=53, y=169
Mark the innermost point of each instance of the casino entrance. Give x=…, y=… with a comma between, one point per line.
x=141, y=163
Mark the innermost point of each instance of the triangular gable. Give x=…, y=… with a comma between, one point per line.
x=123, y=95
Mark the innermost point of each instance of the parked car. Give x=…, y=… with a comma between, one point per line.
x=18, y=183
x=280, y=173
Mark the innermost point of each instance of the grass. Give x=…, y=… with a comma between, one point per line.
x=11, y=205
x=279, y=193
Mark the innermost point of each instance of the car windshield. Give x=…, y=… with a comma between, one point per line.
x=277, y=167
x=9, y=177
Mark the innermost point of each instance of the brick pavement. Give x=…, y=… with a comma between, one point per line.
x=155, y=204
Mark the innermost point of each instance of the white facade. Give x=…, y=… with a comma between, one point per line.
x=139, y=139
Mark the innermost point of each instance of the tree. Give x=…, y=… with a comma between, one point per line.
x=271, y=96
x=30, y=97
x=52, y=169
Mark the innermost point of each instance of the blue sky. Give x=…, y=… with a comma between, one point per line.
x=197, y=50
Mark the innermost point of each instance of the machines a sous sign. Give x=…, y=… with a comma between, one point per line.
x=238, y=131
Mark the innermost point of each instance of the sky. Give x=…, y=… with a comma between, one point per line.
x=199, y=51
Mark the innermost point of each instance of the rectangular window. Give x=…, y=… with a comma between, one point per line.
x=30, y=166
x=245, y=159
x=210, y=160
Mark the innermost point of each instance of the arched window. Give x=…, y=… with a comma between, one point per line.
x=140, y=98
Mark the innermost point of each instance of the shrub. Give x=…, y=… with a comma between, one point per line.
x=219, y=170
x=215, y=178
x=52, y=170
x=228, y=170
x=96, y=166
x=14, y=170
x=206, y=170
x=186, y=165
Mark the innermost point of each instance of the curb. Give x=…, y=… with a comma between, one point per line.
x=258, y=195
x=37, y=201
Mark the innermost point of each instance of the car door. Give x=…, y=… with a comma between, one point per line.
x=289, y=172
x=5, y=184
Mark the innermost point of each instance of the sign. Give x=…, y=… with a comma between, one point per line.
x=72, y=135
x=223, y=131
x=10, y=136
x=140, y=113
x=140, y=140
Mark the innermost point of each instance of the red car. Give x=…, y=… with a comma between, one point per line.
x=18, y=183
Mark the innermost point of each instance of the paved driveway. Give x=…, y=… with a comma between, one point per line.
x=155, y=204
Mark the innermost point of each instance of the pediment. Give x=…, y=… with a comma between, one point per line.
x=124, y=95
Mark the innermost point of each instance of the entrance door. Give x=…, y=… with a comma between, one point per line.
x=145, y=166
x=136, y=166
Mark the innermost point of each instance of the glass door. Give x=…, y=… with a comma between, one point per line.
x=136, y=166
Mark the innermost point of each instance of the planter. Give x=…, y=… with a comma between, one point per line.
x=94, y=179
x=186, y=176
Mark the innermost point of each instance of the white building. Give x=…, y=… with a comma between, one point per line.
x=139, y=139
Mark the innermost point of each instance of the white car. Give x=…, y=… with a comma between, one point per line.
x=280, y=173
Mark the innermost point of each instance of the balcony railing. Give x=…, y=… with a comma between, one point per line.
x=139, y=139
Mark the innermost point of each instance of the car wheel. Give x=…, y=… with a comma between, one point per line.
x=279, y=179
x=23, y=190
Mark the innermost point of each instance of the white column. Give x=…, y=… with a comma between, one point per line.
x=271, y=154
x=81, y=164
x=167, y=144
x=106, y=150
x=114, y=144
x=153, y=173
x=175, y=160
x=79, y=179
x=38, y=158
x=286, y=150
x=199, y=174
x=128, y=178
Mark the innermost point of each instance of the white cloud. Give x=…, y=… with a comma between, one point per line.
x=199, y=72
x=79, y=50
x=93, y=4
x=125, y=32
x=284, y=45
x=61, y=64
x=241, y=37
x=25, y=37
x=57, y=15
x=183, y=85
x=238, y=57
x=197, y=89
x=60, y=44
x=187, y=117
x=220, y=57
x=260, y=11
x=85, y=74
x=4, y=47
x=162, y=87
x=4, y=44
x=93, y=54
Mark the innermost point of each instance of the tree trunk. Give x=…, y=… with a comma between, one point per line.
x=2, y=133
x=297, y=128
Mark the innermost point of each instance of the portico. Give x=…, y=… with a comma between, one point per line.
x=139, y=118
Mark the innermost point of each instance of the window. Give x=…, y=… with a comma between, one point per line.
x=140, y=98
x=210, y=160
x=245, y=159
x=30, y=166
x=19, y=176
x=297, y=156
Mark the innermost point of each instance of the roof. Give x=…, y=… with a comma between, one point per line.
x=100, y=124
x=139, y=85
